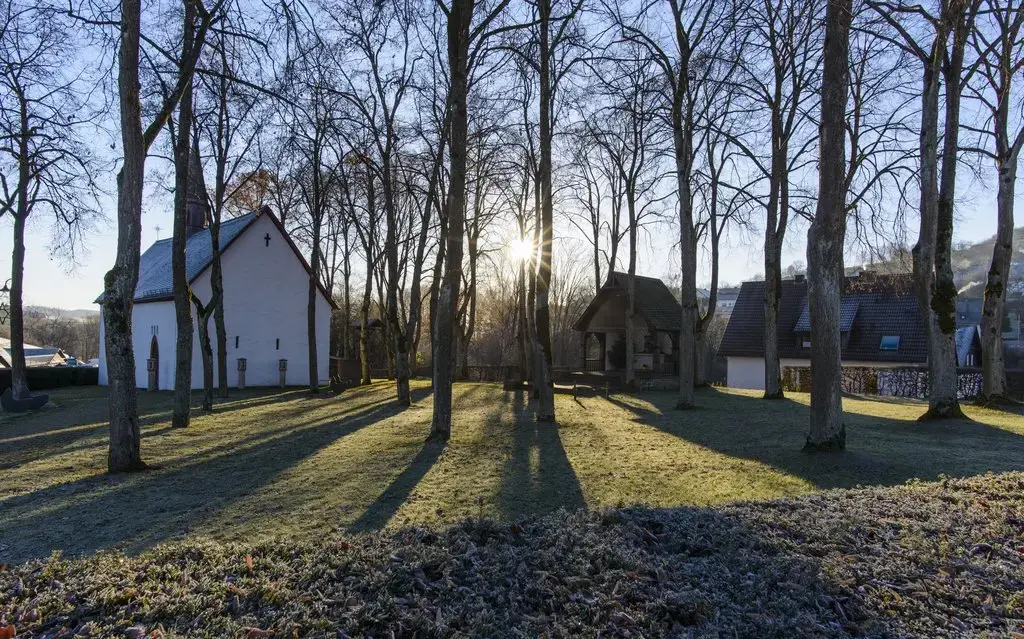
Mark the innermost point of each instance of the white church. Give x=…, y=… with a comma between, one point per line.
x=266, y=288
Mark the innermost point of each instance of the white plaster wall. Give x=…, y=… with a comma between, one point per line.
x=745, y=372
x=147, y=320
x=265, y=293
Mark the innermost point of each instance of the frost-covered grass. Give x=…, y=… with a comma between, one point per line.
x=921, y=560
x=283, y=464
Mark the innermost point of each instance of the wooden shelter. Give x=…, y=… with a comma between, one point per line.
x=658, y=316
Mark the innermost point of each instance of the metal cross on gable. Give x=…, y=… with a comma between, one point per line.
x=266, y=239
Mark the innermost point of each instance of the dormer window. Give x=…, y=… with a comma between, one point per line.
x=889, y=343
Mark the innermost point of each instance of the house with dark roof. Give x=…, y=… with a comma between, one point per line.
x=880, y=323
x=266, y=288
x=603, y=324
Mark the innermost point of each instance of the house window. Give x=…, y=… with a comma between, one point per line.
x=236, y=341
x=889, y=343
x=277, y=344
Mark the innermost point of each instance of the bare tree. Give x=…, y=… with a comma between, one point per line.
x=312, y=113
x=184, y=160
x=461, y=37
x=119, y=283
x=778, y=74
x=376, y=90
x=231, y=124
x=484, y=172
x=722, y=201
x=555, y=63
x=999, y=50
x=627, y=132
x=593, y=184
x=941, y=53
x=680, y=54
x=44, y=164
x=826, y=238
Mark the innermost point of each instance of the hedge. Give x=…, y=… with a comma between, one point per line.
x=48, y=377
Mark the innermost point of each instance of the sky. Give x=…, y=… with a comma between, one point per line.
x=55, y=282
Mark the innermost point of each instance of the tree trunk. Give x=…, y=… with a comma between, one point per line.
x=923, y=252
x=825, y=240
x=459, y=17
x=401, y=351
x=182, y=303
x=346, y=344
x=631, y=294
x=217, y=288
x=206, y=349
x=124, y=452
x=941, y=296
x=704, y=359
x=543, y=382
x=314, y=277
x=992, y=366
x=19, y=378
x=681, y=125
x=395, y=327
x=523, y=326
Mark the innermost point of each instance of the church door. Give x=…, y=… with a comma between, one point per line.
x=154, y=356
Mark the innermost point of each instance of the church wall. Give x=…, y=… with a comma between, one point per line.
x=154, y=318
x=265, y=291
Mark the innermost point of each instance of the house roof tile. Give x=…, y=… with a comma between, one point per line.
x=876, y=305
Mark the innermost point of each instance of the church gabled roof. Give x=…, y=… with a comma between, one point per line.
x=156, y=281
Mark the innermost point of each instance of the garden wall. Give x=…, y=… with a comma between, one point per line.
x=898, y=382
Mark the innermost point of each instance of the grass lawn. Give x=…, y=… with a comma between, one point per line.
x=271, y=463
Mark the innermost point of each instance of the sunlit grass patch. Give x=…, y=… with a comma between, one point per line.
x=271, y=463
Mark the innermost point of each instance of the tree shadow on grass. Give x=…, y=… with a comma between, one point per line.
x=391, y=499
x=136, y=511
x=881, y=449
x=536, y=476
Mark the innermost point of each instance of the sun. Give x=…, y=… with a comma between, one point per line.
x=520, y=250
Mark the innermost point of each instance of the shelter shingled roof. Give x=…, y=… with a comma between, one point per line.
x=655, y=303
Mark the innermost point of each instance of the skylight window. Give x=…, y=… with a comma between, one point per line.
x=889, y=343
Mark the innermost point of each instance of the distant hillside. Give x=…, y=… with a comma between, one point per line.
x=49, y=311
x=970, y=265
